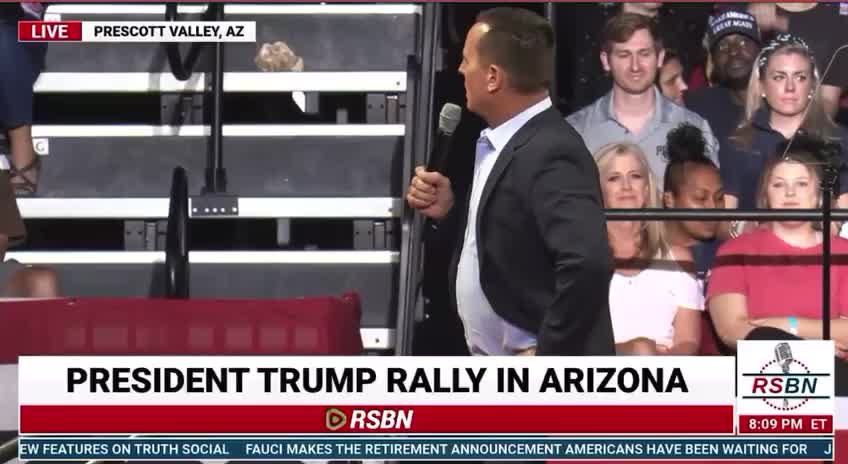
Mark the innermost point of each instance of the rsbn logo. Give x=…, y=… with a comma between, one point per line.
x=785, y=383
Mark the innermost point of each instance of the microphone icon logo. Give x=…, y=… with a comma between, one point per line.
x=783, y=356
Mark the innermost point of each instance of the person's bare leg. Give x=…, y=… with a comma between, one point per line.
x=23, y=159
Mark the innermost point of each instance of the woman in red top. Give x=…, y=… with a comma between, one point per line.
x=766, y=284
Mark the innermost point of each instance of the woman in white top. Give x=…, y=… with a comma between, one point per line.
x=655, y=305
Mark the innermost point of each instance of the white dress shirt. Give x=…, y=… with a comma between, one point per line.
x=487, y=333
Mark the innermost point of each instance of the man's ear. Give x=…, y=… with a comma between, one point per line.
x=660, y=58
x=605, y=61
x=495, y=78
x=668, y=199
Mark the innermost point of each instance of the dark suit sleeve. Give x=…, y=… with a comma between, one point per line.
x=569, y=213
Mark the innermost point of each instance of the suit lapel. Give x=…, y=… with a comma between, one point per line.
x=505, y=157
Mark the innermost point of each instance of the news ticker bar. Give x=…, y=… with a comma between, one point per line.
x=137, y=31
x=407, y=448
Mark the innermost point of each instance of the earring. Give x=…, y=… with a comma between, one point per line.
x=810, y=96
x=764, y=95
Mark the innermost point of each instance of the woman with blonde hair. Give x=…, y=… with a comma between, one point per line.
x=783, y=99
x=655, y=305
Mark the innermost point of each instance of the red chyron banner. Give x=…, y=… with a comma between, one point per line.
x=769, y=425
x=50, y=31
x=383, y=419
x=379, y=395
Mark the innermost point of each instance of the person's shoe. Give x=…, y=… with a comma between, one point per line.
x=25, y=180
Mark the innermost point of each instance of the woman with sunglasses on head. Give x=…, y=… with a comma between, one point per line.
x=783, y=99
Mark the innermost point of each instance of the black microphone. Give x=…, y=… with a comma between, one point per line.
x=448, y=120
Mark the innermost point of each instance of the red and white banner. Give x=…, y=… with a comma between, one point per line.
x=470, y=395
x=785, y=387
x=137, y=31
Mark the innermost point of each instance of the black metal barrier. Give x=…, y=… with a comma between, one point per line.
x=657, y=214
x=760, y=215
x=176, y=240
x=216, y=174
x=9, y=450
x=182, y=69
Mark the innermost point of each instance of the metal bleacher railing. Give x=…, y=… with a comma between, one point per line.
x=8, y=450
x=182, y=69
x=177, y=270
x=825, y=216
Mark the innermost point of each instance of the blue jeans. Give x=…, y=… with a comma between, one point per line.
x=21, y=65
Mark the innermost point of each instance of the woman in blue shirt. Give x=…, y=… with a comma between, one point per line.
x=783, y=98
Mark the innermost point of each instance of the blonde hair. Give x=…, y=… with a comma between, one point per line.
x=816, y=120
x=651, y=242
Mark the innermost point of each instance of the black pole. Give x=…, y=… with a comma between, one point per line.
x=761, y=215
x=216, y=175
x=176, y=240
x=423, y=76
x=9, y=450
x=550, y=14
x=828, y=186
x=826, y=222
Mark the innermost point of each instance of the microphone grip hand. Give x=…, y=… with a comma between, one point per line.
x=841, y=350
x=430, y=193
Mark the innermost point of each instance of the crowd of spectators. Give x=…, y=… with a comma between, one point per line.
x=750, y=127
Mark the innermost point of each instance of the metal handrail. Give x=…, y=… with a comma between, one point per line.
x=176, y=240
x=216, y=175
x=9, y=450
x=825, y=215
x=181, y=69
x=660, y=214
x=417, y=145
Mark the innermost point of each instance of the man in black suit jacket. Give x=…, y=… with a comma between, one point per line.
x=532, y=275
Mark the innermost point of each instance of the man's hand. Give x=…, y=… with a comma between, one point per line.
x=641, y=346
x=841, y=350
x=527, y=352
x=430, y=193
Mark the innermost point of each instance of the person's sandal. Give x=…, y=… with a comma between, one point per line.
x=22, y=184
